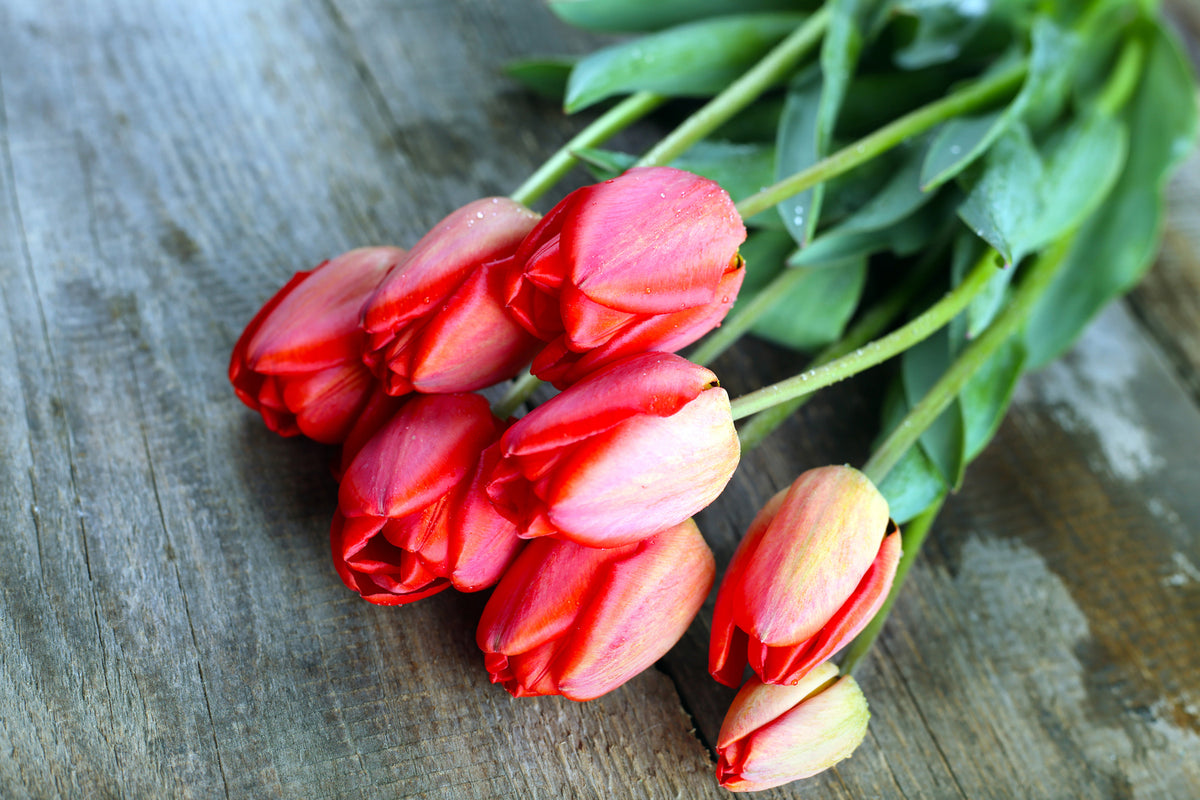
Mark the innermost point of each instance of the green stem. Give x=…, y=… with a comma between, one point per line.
x=517, y=394
x=735, y=325
x=1124, y=77
x=914, y=536
x=873, y=322
x=775, y=66
x=966, y=99
x=922, y=415
x=872, y=353
x=606, y=125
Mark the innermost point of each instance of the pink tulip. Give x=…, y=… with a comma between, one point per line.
x=438, y=323
x=580, y=621
x=646, y=261
x=635, y=448
x=299, y=361
x=776, y=734
x=813, y=569
x=412, y=518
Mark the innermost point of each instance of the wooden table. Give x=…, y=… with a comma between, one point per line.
x=170, y=623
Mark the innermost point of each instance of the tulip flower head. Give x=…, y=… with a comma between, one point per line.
x=814, y=567
x=776, y=734
x=299, y=361
x=580, y=621
x=634, y=448
x=438, y=323
x=412, y=518
x=645, y=261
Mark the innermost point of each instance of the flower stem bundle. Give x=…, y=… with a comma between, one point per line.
x=947, y=190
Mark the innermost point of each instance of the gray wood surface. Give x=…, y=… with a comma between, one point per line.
x=170, y=624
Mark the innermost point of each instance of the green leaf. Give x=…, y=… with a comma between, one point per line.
x=757, y=123
x=1004, y=203
x=544, y=76
x=741, y=168
x=797, y=149
x=944, y=442
x=765, y=253
x=985, y=398
x=942, y=29
x=987, y=304
x=814, y=312
x=1118, y=242
x=851, y=24
x=959, y=142
x=903, y=237
x=962, y=140
x=968, y=250
x=897, y=198
x=875, y=99
x=693, y=60
x=624, y=16
x=1021, y=203
x=604, y=164
x=914, y=483
x=1082, y=164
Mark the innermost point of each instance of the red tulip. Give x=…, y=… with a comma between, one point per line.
x=412, y=518
x=299, y=361
x=580, y=621
x=776, y=734
x=813, y=569
x=646, y=261
x=438, y=323
x=635, y=448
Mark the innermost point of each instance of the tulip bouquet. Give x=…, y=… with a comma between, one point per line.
x=959, y=186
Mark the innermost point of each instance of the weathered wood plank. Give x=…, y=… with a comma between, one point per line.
x=1167, y=302
x=169, y=621
x=177, y=626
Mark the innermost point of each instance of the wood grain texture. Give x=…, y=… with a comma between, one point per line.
x=170, y=624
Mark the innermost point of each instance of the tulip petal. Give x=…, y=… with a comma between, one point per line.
x=647, y=474
x=687, y=222
x=820, y=731
x=481, y=231
x=378, y=576
x=788, y=664
x=757, y=703
x=589, y=324
x=648, y=600
x=430, y=446
x=540, y=595
x=471, y=343
x=327, y=403
x=483, y=542
x=811, y=558
x=564, y=365
x=315, y=324
x=648, y=383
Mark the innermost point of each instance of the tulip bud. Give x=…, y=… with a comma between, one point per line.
x=438, y=323
x=299, y=361
x=645, y=261
x=635, y=448
x=810, y=573
x=776, y=734
x=580, y=621
x=412, y=518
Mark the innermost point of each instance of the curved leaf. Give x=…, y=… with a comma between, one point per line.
x=544, y=76
x=1117, y=243
x=627, y=16
x=693, y=60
